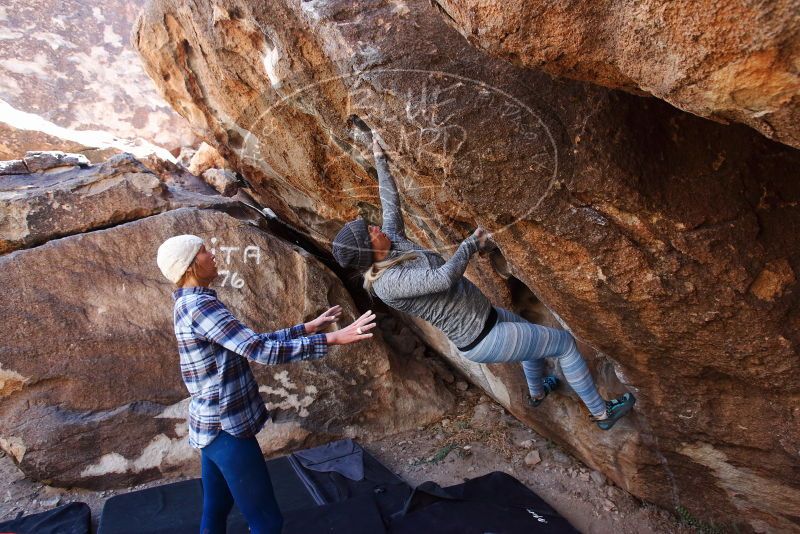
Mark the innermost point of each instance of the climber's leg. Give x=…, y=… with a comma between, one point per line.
x=538, y=386
x=577, y=374
x=528, y=342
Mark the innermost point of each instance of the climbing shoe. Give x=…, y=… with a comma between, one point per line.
x=616, y=409
x=549, y=383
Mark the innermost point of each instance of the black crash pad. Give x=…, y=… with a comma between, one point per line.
x=340, y=488
x=311, y=500
x=178, y=507
x=496, y=503
x=72, y=518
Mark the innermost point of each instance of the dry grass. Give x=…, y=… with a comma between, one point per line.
x=458, y=433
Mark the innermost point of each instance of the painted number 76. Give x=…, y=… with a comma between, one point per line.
x=233, y=277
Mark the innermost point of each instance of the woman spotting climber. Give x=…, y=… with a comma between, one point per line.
x=421, y=283
x=226, y=410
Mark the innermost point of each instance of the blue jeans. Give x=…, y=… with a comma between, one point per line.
x=513, y=339
x=234, y=470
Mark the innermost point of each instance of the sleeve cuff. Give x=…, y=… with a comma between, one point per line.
x=472, y=243
x=319, y=344
x=298, y=330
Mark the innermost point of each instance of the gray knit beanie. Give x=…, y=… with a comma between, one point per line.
x=352, y=246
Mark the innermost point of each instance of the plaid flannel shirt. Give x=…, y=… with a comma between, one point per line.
x=214, y=348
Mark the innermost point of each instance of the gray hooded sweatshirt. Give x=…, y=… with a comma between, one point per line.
x=429, y=287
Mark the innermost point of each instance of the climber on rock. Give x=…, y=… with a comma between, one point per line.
x=421, y=283
x=226, y=410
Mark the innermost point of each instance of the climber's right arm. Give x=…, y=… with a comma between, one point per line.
x=393, y=224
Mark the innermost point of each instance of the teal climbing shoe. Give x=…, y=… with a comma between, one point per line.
x=549, y=383
x=616, y=409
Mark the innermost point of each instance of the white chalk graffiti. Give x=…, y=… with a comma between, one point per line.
x=451, y=129
x=230, y=277
x=237, y=282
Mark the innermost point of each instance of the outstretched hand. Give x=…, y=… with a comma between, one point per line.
x=356, y=331
x=331, y=315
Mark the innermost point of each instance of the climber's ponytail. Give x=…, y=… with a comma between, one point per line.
x=377, y=269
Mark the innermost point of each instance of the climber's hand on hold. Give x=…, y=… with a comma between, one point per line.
x=483, y=237
x=485, y=243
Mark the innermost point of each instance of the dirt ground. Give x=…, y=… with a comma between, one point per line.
x=476, y=438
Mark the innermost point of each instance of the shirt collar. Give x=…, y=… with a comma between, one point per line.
x=199, y=290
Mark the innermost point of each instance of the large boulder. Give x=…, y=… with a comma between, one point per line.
x=731, y=61
x=69, y=78
x=64, y=200
x=90, y=387
x=666, y=242
x=14, y=142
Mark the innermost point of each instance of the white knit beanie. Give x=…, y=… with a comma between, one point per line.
x=176, y=254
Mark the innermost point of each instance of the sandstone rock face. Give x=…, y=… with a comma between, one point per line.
x=206, y=157
x=222, y=180
x=90, y=390
x=667, y=243
x=39, y=161
x=14, y=166
x=70, y=65
x=14, y=142
x=730, y=61
x=69, y=200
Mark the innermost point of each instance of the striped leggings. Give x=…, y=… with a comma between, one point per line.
x=513, y=339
